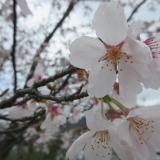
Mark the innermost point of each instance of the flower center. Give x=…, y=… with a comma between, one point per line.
x=144, y=128
x=101, y=141
x=113, y=56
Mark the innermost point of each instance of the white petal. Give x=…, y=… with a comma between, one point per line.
x=30, y=82
x=27, y=112
x=137, y=50
x=24, y=7
x=101, y=80
x=122, y=153
x=152, y=151
x=47, y=123
x=39, y=70
x=150, y=137
x=15, y=112
x=89, y=153
x=59, y=120
x=110, y=23
x=86, y=52
x=135, y=70
x=98, y=152
x=135, y=29
x=32, y=106
x=79, y=144
x=148, y=112
x=134, y=113
x=140, y=151
x=155, y=70
x=123, y=100
x=129, y=86
x=95, y=121
x=124, y=134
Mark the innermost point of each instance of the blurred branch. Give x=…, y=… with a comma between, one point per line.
x=47, y=39
x=36, y=114
x=67, y=98
x=6, y=145
x=25, y=99
x=16, y=135
x=136, y=9
x=4, y=92
x=33, y=92
x=65, y=82
x=63, y=98
x=53, y=78
x=14, y=44
x=79, y=89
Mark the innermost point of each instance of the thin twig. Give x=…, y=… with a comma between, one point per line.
x=14, y=44
x=136, y=9
x=4, y=92
x=32, y=91
x=41, y=112
x=65, y=82
x=34, y=119
x=47, y=39
x=79, y=89
x=53, y=78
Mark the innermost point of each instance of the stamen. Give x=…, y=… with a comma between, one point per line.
x=141, y=126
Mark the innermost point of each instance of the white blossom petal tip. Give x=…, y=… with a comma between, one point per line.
x=110, y=23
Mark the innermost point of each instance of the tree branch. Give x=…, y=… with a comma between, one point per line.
x=136, y=9
x=36, y=114
x=62, y=85
x=47, y=39
x=53, y=78
x=14, y=44
x=61, y=99
x=4, y=92
x=32, y=91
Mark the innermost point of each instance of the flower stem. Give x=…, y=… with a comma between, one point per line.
x=102, y=110
x=121, y=106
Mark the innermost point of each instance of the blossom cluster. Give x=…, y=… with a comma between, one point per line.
x=119, y=63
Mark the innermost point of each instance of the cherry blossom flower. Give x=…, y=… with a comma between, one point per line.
x=37, y=76
x=24, y=110
x=44, y=138
x=84, y=89
x=140, y=133
x=54, y=119
x=153, y=43
x=82, y=74
x=41, y=143
x=20, y=111
x=76, y=115
x=135, y=29
x=97, y=141
x=112, y=52
x=24, y=7
x=45, y=149
x=65, y=139
x=30, y=133
x=32, y=105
